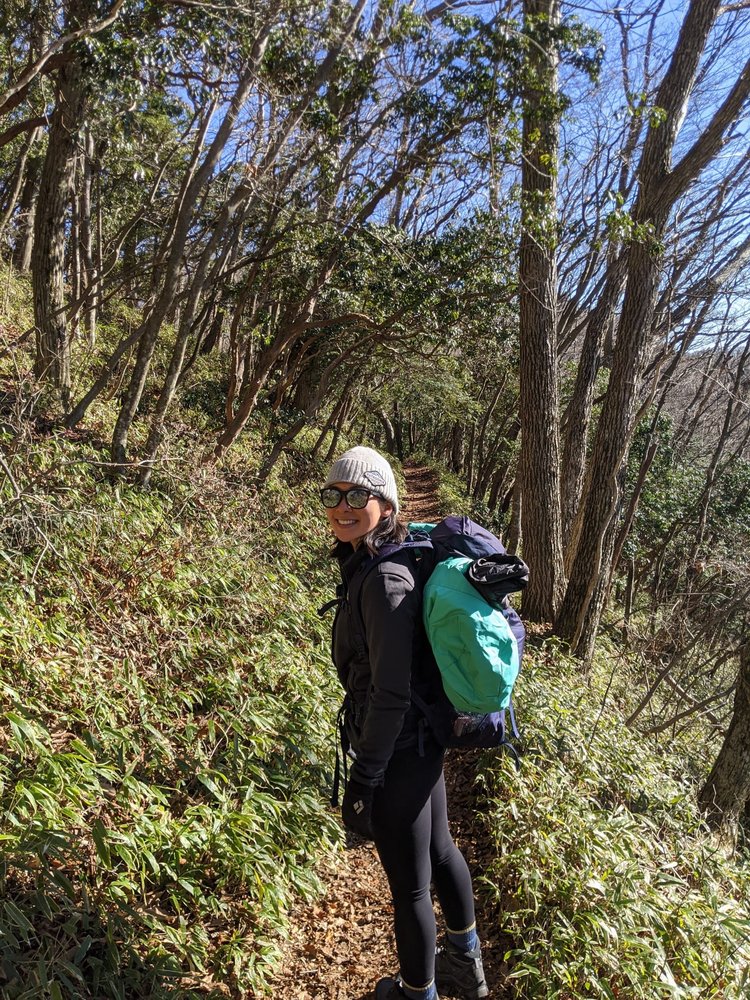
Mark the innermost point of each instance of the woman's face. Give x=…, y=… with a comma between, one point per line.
x=349, y=525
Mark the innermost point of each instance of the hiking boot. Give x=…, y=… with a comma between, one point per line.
x=460, y=973
x=390, y=989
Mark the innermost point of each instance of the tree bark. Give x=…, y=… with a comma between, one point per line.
x=578, y=415
x=24, y=242
x=91, y=276
x=48, y=258
x=390, y=433
x=726, y=793
x=539, y=462
x=335, y=419
x=19, y=179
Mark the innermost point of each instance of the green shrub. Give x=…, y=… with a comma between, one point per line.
x=609, y=884
x=165, y=754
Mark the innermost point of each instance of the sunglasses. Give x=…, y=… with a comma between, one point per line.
x=357, y=497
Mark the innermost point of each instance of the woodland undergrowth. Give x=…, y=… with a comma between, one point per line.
x=602, y=869
x=166, y=745
x=166, y=704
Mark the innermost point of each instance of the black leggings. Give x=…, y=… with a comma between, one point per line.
x=410, y=819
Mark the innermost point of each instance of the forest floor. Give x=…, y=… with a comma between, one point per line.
x=340, y=945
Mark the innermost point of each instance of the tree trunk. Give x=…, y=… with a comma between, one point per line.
x=660, y=185
x=340, y=423
x=398, y=437
x=726, y=794
x=735, y=399
x=335, y=419
x=514, y=540
x=174, y=247
x=539, y=461
x=18, y=183
x=188, y=322
x=24, y=243
x=593, y=536
x=390, y=432
x=48, y=258
x=91, y=276
x=578, y=414
x=457, y=448
x=290, y=329
x=74, y=262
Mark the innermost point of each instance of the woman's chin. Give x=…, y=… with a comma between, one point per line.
x=348, y=535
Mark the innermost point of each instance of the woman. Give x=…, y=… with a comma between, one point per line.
x=396, y=791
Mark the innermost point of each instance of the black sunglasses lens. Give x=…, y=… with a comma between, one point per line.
x=357, y=499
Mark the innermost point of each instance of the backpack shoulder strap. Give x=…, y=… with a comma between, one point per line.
x=354, y=594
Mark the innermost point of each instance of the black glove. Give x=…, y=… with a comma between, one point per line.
x=356, y=808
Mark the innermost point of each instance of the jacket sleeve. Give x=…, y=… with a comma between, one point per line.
x=391, y=611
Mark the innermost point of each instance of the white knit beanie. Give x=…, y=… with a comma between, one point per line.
x=365, y=467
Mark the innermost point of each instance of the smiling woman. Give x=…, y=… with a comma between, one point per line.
x=395, y=794
x=351, y=512
x=360, y=497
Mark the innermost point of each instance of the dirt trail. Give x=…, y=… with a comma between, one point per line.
x=342, y=944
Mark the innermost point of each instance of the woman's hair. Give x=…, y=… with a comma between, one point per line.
x=390, y=530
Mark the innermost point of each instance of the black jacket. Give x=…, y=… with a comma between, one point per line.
x=378, y=677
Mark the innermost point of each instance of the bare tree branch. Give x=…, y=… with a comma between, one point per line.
x=712, y=139
x=19, y=88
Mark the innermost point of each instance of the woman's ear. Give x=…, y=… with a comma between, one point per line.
x=385, y=509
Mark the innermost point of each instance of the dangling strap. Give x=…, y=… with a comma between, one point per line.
x=342, y=747
x=507, y=745
x=513, y=726
x=334, y=603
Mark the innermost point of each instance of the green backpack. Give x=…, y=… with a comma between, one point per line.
x=475, y=635
x=471, y=640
